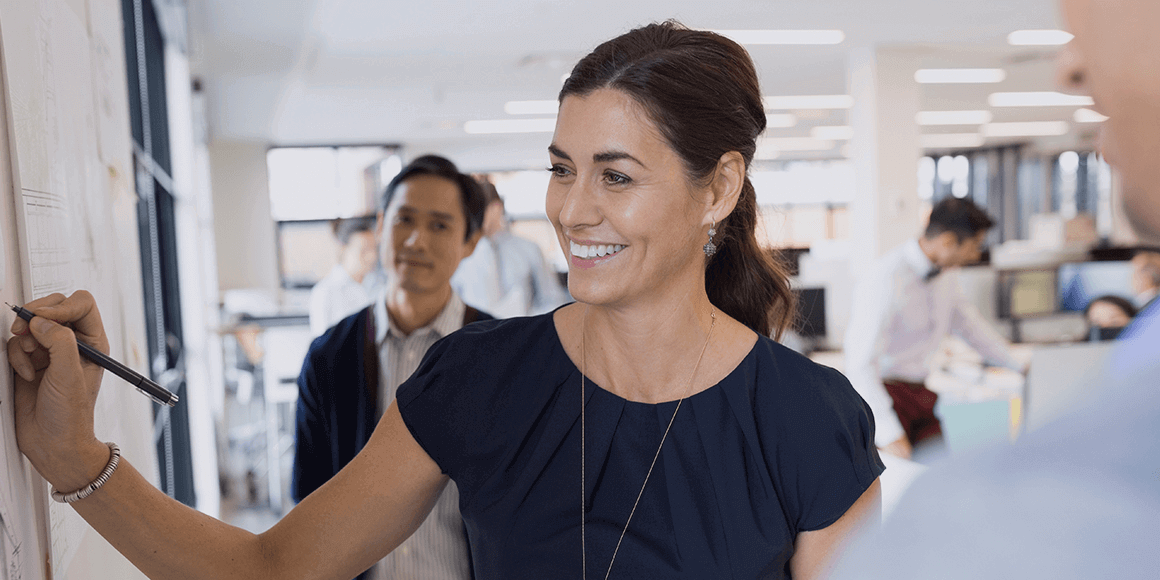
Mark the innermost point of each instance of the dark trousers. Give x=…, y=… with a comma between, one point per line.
x=914, y=405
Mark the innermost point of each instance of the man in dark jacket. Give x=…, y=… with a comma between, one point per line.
x=429, y=220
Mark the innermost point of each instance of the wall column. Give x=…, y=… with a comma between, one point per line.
x=885, y=151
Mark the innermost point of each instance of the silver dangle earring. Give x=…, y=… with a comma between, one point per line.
x=709, y=248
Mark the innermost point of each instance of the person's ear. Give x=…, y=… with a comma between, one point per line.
x=470, y=243
x=725, y=187
x=380, y=219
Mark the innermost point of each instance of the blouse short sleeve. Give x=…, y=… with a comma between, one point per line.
x=821, y=439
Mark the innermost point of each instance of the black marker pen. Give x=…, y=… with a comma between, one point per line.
x=147, y=387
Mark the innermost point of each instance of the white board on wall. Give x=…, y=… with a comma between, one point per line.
x=66, y=190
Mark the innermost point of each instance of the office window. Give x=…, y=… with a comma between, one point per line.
x=311, y=183
x=148, y=114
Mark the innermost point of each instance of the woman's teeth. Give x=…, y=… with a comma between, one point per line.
x=596, y=251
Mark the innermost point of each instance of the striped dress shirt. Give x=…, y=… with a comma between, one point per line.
x=438, y=549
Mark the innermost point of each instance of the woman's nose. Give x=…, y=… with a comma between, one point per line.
x=579, y=207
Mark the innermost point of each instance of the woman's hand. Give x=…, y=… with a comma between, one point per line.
x=56, y=390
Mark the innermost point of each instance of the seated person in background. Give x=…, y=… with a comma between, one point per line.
x=902, y=311
x=342, y=293
x=1146, y=278
x=1108, y=313
x=507, y=275
x=429, y=219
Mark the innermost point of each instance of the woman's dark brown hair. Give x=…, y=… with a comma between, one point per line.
x=701, y=90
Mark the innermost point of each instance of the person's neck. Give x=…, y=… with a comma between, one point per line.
x=354, y=272
x=647, y=351
x=410, y=311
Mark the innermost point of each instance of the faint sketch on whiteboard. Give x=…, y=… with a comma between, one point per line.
x=14, y=500
x=11, y=567
x=54, y=138
x=49, y=252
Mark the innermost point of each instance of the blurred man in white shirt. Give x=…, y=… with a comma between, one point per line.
x=507, y=275
x=343, y=291
x=902, y=311
x=1078, y=498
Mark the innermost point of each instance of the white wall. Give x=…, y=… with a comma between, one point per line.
x=247, y=256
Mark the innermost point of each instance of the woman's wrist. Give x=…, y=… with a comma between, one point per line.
x=80, y=468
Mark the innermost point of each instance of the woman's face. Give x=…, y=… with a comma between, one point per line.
x=624, y=211
x=360, y=254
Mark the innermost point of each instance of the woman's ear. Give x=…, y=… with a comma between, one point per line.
x=725, y=189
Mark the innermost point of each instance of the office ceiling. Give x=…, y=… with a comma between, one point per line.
x=294, y=72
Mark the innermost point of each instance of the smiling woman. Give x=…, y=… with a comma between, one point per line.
x=650, y=430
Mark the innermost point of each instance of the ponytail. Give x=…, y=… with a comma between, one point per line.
x=745, y=281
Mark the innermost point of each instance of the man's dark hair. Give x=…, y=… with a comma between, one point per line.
x=471, y=196
x=960, y=217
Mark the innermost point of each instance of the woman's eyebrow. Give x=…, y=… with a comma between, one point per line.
x=554, y=150
x=609, y=156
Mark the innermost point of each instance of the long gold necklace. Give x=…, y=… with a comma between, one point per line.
x=583, y=467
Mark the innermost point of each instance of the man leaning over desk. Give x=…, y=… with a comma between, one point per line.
x=903, y=308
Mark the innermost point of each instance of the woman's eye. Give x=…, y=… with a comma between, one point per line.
x=558, y=170
x=614, y=178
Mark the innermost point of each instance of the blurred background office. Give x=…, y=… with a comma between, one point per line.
x=270, y=119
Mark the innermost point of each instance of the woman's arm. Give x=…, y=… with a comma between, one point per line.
x=359, y=516
x=816, y=552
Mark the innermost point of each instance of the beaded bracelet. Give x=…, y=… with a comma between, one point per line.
x=96, y=484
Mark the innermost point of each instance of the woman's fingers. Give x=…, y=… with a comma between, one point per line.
x=78, y=311
x=59, y=340
x=19, y=359
x=20, y=327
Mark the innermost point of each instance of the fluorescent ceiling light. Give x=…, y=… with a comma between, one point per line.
x=1038, y=99
x=1026, y=129
x=832, y=133
x=531, y=107
x=510, y=126
x=959, y=75
x=784, y=36
x=780, y=120
x=1039, y=38
x=808, y=102
x=953, y=117
x=1088, y=116
x=951, y=140
x=771, y=147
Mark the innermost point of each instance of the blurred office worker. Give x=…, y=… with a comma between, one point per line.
x=342, y=292
x=1146, y=278
x=506, y=275
x=902, y=311
x=429, y=219
x=1107, y=315
x=1078, y=498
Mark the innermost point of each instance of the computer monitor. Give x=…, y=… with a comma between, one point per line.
x=811, y=312
x=1080, y=283
x=1027, y=293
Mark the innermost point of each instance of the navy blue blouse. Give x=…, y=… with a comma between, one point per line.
x=780, y=446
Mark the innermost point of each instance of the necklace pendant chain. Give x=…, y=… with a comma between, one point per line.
x=583, y=438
